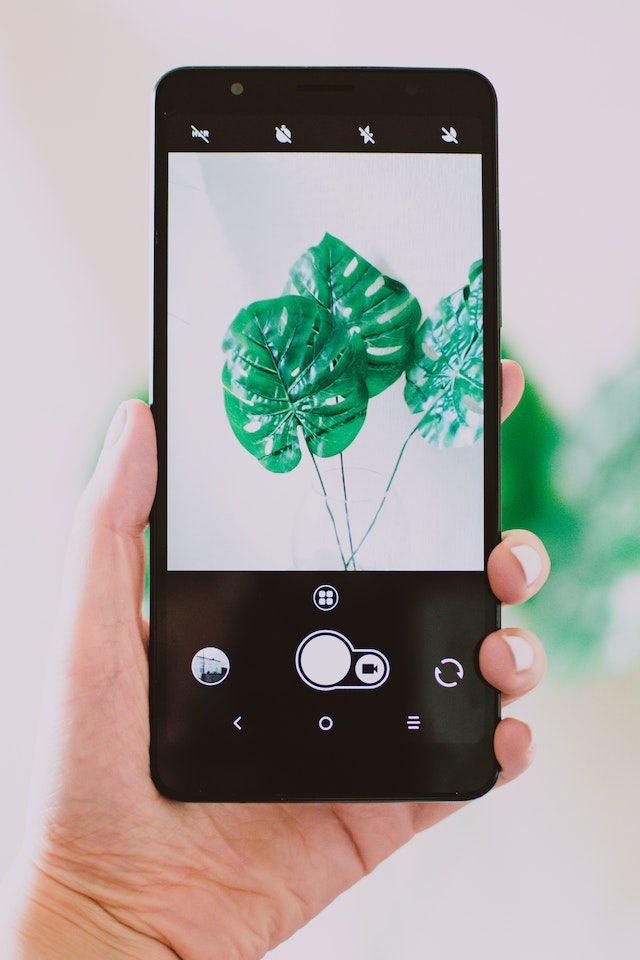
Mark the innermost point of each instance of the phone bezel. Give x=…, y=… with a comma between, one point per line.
x=318, y=91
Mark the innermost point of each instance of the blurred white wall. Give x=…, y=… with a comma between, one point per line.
x=549, y=866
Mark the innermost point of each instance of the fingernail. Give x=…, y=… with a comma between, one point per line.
x=116, y=427
x=521, y=649
x=529, y=560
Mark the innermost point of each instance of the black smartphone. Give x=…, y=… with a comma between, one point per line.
x=326, y=397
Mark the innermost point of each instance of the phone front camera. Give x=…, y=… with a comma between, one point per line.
x=237, y=89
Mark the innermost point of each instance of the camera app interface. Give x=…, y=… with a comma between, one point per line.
x=325, y=516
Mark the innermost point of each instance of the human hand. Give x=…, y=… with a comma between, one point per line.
x=121, y=871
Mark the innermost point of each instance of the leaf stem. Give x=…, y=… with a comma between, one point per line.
x=352, y=559
x=345, y=564
x=384, y=496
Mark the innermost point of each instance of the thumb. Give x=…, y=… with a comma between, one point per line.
x=95, y=699
x=104, y=575
x=121, y=491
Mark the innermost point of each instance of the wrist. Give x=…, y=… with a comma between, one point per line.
x=57, y=923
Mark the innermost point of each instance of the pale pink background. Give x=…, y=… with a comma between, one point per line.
x=548, y=867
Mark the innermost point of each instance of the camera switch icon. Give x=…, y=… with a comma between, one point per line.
x=326, y=660
x=451, y=675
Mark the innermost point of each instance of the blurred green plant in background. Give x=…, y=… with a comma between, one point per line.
x=576, y=486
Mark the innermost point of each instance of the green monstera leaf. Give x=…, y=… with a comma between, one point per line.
x=376, y=307
x=445, y=374
x=290, y=368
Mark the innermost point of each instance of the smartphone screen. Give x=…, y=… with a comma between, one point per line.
x=325, y=390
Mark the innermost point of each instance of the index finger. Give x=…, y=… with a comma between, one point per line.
x=512, y=387
x=518, y=566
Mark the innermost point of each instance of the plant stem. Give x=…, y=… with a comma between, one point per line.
x=329, y=511
x=384, y=496
x=352, y=559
